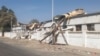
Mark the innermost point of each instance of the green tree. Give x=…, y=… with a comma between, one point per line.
x=6, y=17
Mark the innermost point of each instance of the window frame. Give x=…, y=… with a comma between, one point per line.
x=78, y=27
x=90, y=27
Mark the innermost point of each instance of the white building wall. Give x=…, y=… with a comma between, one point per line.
x=9, y=34
x=93, y=40
x=85, y=20
x=83, y=39
x=97, y=27
x=0, y=34
x=76, y=38
x=60, y=39
x=84, y=28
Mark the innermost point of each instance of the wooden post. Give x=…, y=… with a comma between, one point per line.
x=53, y=38
x=54, y=31
x=63, y=36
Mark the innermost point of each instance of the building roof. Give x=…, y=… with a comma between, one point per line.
x=90, y=14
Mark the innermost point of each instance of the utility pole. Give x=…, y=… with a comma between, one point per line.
x=52, y=10
x=11, y=27
x=11, y=23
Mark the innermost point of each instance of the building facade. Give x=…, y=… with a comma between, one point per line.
x=85, y=31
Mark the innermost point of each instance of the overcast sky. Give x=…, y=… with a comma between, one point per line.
x=26, y=10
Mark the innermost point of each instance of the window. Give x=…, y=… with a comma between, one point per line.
x=78, y=27
x=90, y=27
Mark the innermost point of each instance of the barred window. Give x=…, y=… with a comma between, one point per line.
x=90, y=27
x=78, y=28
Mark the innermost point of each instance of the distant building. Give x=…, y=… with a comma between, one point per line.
x=19, y=27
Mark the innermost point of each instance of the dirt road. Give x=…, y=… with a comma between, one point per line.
x=7, y=50
x=13, y=47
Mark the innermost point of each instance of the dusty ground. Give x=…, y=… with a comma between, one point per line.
x=50, y=50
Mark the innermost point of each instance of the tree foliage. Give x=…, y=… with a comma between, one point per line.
x=6, y=17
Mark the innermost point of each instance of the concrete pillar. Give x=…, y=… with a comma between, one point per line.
x=85, y=38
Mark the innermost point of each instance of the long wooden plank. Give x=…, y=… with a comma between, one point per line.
x=53, y=33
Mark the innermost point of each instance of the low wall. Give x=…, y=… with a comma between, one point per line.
x=40, y=35
x=83, y=39
x=9, y=34
x=76, y=38
x=93, y=40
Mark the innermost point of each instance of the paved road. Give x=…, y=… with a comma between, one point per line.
x=7, y=50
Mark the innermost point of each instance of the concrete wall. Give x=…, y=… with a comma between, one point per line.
x=83, y=39
x=97, y=27
x=84, y=27
x=9, y=34
x=40, y=35
x=76, y=38
x=85, y=20
x=93, y=40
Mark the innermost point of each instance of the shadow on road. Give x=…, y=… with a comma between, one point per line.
x=8, y=50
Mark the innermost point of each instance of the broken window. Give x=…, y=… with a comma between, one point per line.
x=78, y=27
x=90, y=27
